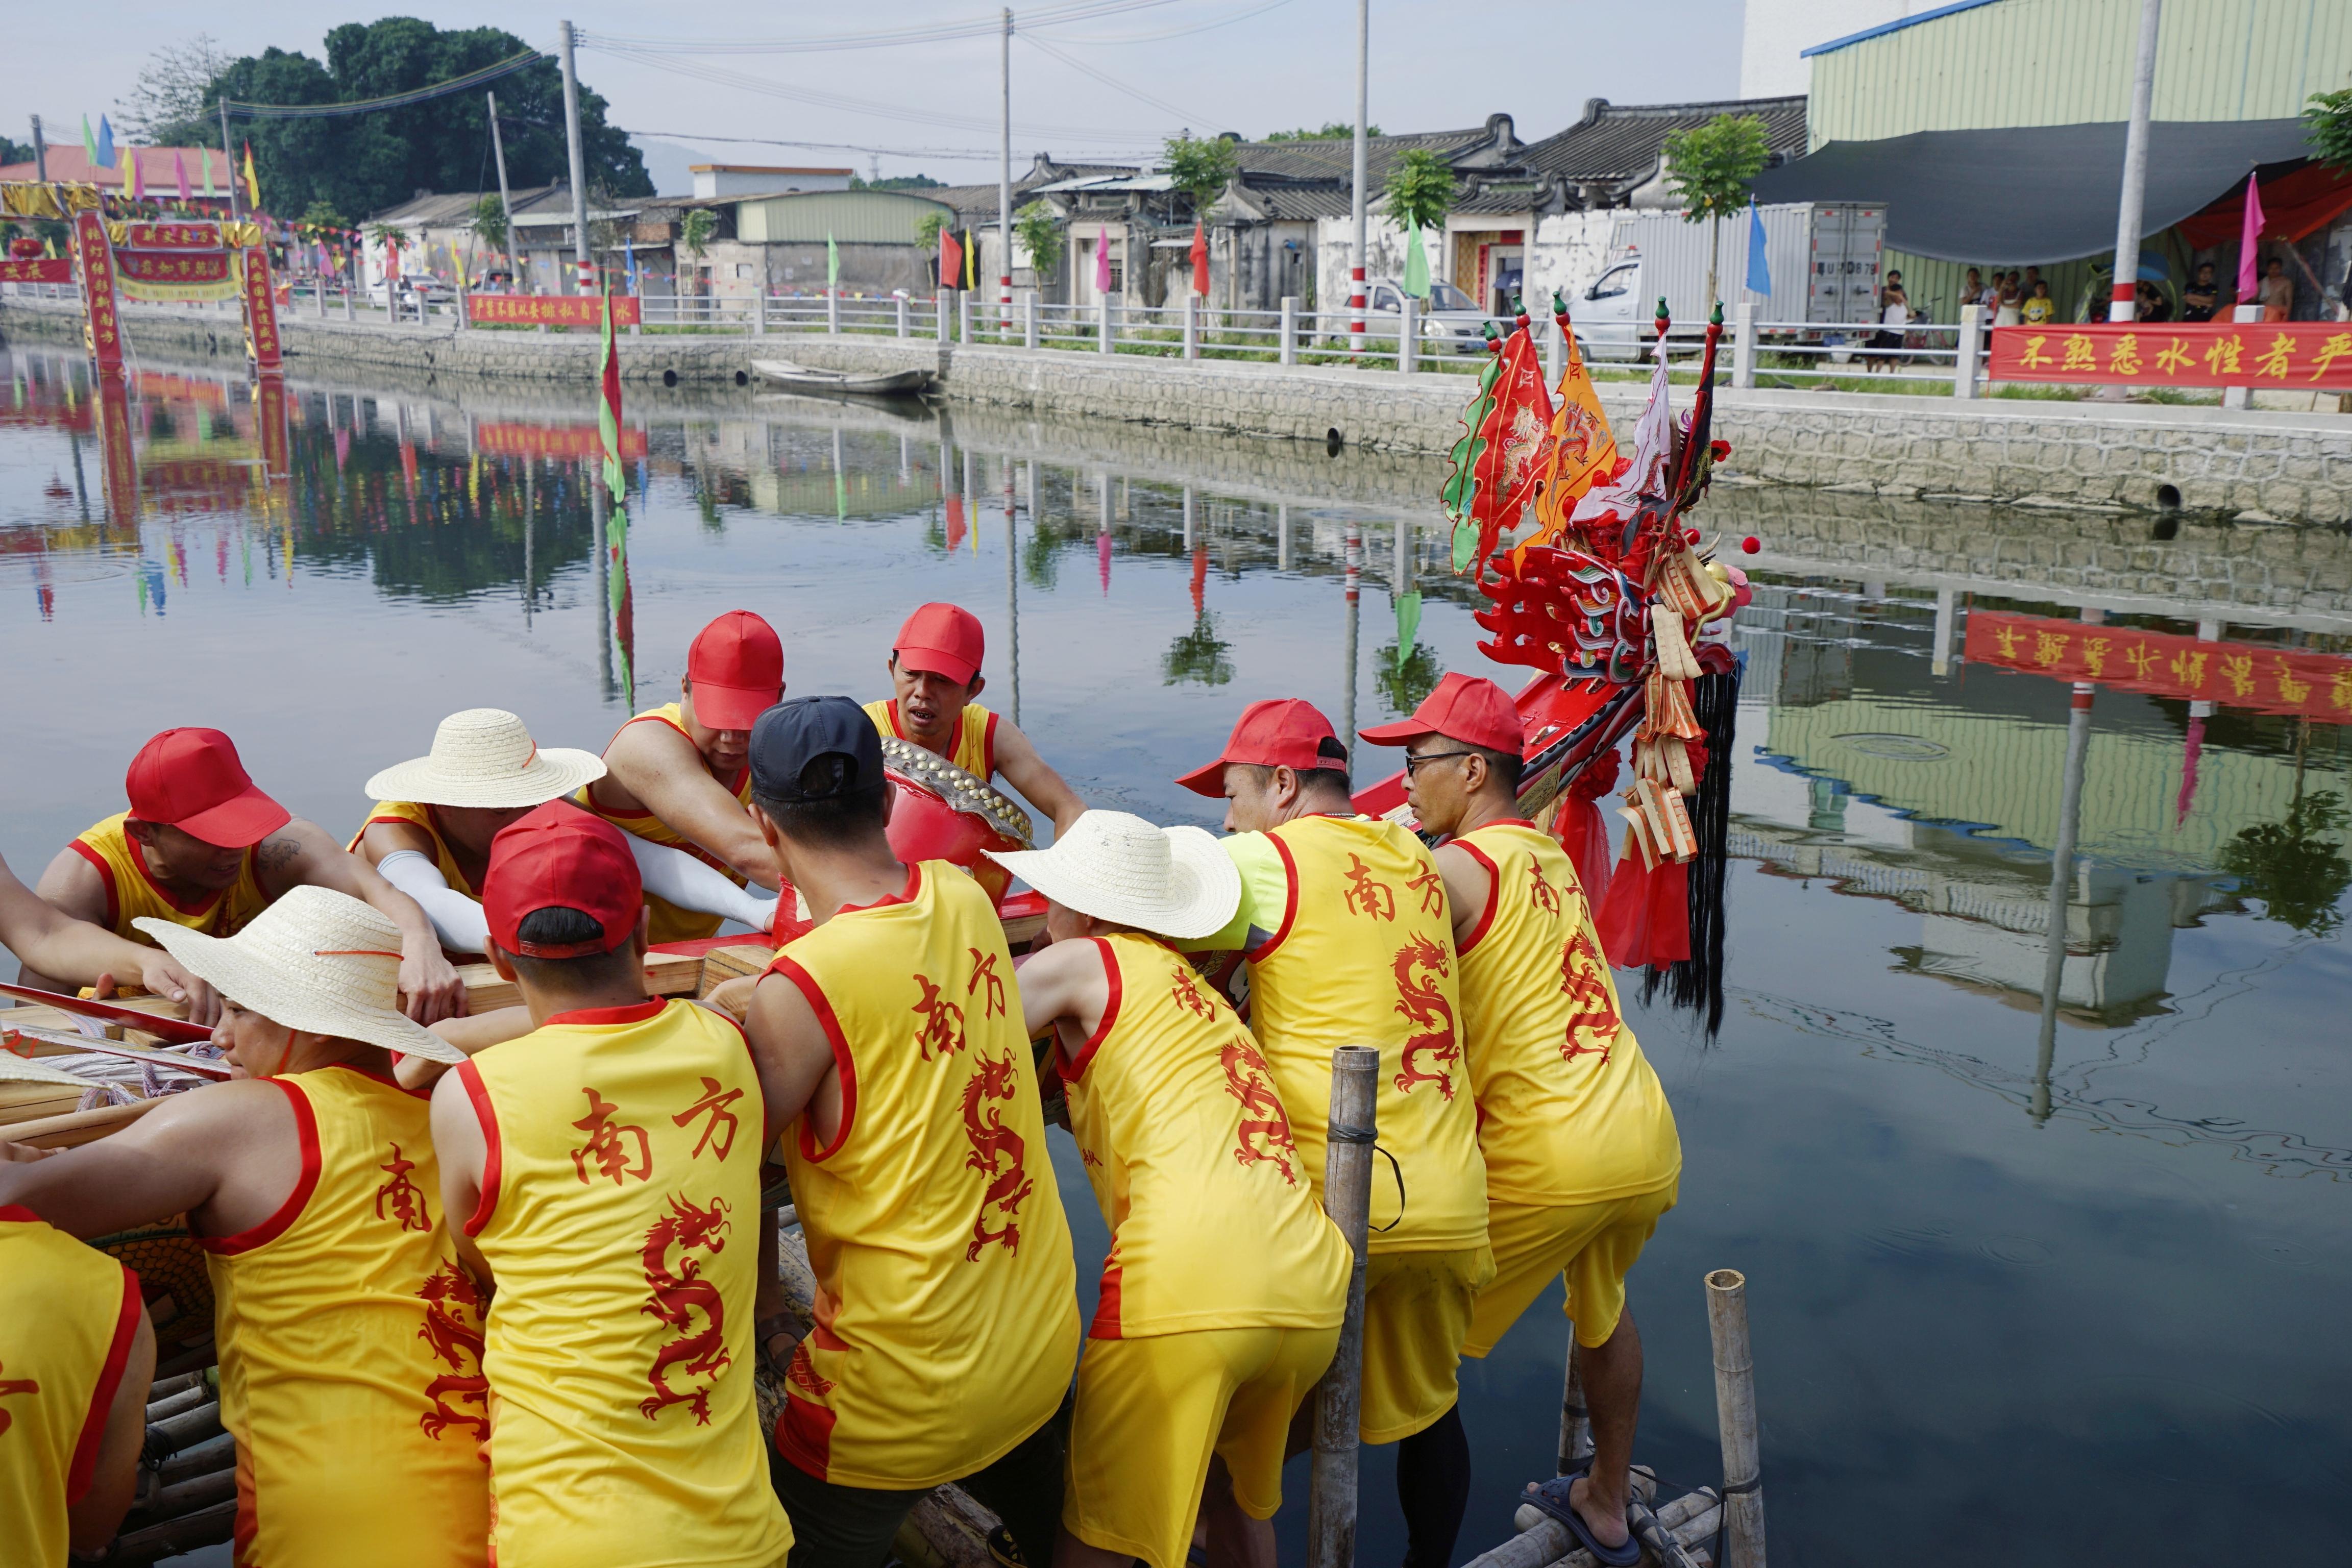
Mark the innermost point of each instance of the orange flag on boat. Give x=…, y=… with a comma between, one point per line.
x=1582, y=453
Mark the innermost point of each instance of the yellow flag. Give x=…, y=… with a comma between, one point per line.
x=252, y=185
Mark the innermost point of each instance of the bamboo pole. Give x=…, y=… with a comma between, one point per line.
x=78, y=1127
x=1546, y=1541
x=1735, y=1413
x=1575, y=1420
x=1348, y=1199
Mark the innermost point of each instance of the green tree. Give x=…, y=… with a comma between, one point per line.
x=1333, y=130
x=491, y=222
x=1041, y=235
x=694, y=232
x=1404, y=687
x=320, y=218
x=1419, y=191
x=897, y=183
x=15, y=151
x=367, y=162
x=167, y=102
x=1197, y=166
x=1198, y=655
x=2327, y=121
x=1710, y=168
x=2297, y=868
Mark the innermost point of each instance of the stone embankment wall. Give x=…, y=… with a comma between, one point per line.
x=2264, y=466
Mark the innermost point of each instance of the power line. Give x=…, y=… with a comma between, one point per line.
x=1113, y=82
x=968, y=154
x=928, y=33
x=470, y=80
x=1180, y=32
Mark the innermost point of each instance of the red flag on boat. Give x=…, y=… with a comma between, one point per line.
x=1518, y=435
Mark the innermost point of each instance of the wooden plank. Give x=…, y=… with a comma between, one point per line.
x=722, y=964
x=667, y=974
x=79, y=1127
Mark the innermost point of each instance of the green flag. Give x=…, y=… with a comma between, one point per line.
x=1416, y=265
x=89, y=142
x=832, y=262
x=1408, y=614
x=206, y=159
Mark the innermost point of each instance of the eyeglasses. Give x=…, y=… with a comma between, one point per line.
x=1411, y=762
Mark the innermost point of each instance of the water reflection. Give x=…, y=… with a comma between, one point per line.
x=2108, y=923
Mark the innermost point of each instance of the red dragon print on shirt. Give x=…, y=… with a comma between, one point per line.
x=1426, y=1005
x=1263, y=1135
x=452, y=1330
x=677, y=1297
x=997, y=1153
x=1592, y=1020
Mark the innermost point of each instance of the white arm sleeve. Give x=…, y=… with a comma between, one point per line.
x=456, y=919
x=675, y=875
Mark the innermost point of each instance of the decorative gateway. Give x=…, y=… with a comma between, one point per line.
x=1612, y=598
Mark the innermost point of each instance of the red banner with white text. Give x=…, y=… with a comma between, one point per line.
x=548, y=310
x=2303, y=355
x=2164, y=664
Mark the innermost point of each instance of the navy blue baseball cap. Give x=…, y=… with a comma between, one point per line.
x=790, y=735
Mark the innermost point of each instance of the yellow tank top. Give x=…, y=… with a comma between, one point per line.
x=352, y=1346
x=1365, y=956
x=1568, y=1109
x=411, y=814
x=67, y=1316
x=972, y=748
x=946, y=1313
x=619, y=1216
x=132, y=893
x=1189, y=1150
x=670, y=923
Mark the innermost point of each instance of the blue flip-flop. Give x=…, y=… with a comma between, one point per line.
x=1552, y=1499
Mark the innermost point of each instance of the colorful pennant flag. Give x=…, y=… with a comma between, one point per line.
x=105, y=144
x=211, y=192
x=89, y=142
x=1583, y=450
x=970, y=260
x=1759, y=271
x=2250, y=245
x=1416, y=265
x=252, y=185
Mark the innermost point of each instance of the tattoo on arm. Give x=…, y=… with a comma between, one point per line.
x=277, y=853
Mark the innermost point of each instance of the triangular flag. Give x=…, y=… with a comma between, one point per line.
x=105, y=144
x=1200, y=260
x=1582, y=453
x=1408, y=613
x=1416, y=265
x=252, y=185
x=89, y=142
x=1759, y=271
x=832, y=262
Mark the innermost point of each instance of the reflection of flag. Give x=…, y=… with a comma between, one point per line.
x=616, y=480
x=1416, y=265
x=955, y=519
x=1759, y=271
x=1200, y=260
x=1408, y=614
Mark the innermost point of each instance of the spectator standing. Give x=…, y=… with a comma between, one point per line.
x=1893, y=314
x=2039, y=309
x=2006, y=303
x=2277, y=292
x=2202, y=296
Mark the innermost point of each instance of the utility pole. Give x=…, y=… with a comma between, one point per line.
x=2123, y=306
x=41, y=153
x=1004, y=187
x=1363, y=105
x=236, y=201
x=582, y=283
x=506, y=202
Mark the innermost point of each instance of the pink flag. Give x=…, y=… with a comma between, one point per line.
x=1102, y=259
x=2250, y=245
x=180, y=167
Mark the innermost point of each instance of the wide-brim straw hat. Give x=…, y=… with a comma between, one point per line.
x=317, y=961
x=1175, y=881
x=484, y=757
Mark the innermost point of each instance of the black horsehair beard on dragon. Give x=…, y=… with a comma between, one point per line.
x=1697, y=982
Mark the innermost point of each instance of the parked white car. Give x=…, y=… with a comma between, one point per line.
x=1450, y=320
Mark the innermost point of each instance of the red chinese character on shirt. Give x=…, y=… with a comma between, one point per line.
x=985, y=972
x=1430, y=886
x=400, y=1200
x=943, y=1027
x=607, y=1147
x=714, y=1104
x=1186, y=992
x=9, y=1386
x=1365, y=894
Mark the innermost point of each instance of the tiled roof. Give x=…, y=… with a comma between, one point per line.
x=1335, y=160
x=68, y=165
x=1618, y=143
x=457, y=207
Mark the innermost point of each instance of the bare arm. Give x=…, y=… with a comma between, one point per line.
x=1034, y=778
x=661, y=769
x=1467, y=888
x=226, y=1155
x=301, y=854
x=794, y=1058
x=1066, y=984
x=457, y=1144
x=474, y=1033
x=92, y=1520
x=53, y=943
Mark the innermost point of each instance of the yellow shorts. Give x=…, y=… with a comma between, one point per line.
x=1592, y=1245
x=1416, y=1309
x=1150, y=1412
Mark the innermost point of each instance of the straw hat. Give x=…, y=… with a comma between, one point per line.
x=484, y=757
x=316, y=959
x=1176, y=881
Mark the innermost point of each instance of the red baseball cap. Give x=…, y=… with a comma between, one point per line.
x=1466, y=708
x=737, y=665
x=561, y=856
x=192, y=780
x=943, y=639
x=1279, y=732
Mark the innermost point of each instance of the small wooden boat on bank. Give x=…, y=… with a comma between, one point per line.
x=843, y=384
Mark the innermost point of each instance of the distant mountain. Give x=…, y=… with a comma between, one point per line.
x=670, y=164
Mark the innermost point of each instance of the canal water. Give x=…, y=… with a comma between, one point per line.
x=2047, y=1254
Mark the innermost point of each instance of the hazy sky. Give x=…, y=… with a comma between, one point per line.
x=1268, y=66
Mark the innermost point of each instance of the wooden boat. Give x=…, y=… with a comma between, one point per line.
x=807, y=378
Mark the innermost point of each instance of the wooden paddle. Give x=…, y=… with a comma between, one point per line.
x=196, y=1065
x=161, y=1026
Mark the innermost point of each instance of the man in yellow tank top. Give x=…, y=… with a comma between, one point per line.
x=934, y=677
x=1225, y=1285
x=676, y=773
x=47, y=941
x=605, y=1170
x=434, y=817
x=1581, y=1152
x=76, y=1353
x=203, y=848
x=946, y=1316
x=1343, y=920
x=351, y=1341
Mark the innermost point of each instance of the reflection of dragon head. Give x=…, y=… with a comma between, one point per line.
x=1566, y=613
